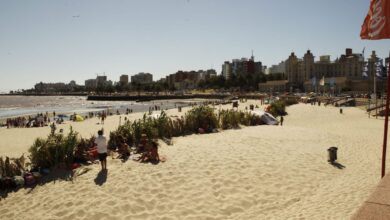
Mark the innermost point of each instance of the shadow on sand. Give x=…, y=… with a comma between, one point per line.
x=101, y=178
x=337, y=165
x=54, y=176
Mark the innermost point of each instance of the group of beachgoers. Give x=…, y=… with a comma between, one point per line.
x=38, y=120
x=145, y=151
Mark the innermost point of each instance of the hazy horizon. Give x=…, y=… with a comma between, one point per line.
x=60, y=41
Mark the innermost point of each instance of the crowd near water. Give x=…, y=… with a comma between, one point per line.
x=26, y=112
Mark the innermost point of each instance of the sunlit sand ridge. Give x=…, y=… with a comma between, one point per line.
x=262, y=172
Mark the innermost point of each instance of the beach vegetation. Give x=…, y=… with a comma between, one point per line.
x=10, y=167
x=53, y=151
x=277, y=108
x=230, y=119
x=201, y=117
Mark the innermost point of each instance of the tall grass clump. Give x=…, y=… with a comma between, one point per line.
x=131, y=132
x=124, y=131
x=54, y=150
x=229, y=119
x=249, y=119
x=161, y=125
x=278, y=108
x=201, y=117
x=177, y=127
x=10, y=167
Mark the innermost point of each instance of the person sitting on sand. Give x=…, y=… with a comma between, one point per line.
x=151, y=155
x=80, y=156
x=123, y=149
x=142, y=144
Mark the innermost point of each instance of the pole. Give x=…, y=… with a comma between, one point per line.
x=369, y=105
x=386, y=123
x=376, y=100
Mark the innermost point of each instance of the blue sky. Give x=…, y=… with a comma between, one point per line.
x=54, y=41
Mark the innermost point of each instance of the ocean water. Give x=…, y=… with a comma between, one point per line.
x=13, y=106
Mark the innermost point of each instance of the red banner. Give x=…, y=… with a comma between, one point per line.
x=377, y=23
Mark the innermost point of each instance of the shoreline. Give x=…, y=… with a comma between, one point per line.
x=136, y=107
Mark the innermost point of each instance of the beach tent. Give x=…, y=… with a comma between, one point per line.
x=79, y=118
x=266, y=117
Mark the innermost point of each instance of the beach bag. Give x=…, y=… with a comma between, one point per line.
x=29, y=179
x=19, y=181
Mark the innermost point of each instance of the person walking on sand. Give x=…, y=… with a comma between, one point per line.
x=101, y=144
x=281, y=120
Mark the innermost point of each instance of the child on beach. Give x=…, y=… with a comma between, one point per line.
x=101, y=144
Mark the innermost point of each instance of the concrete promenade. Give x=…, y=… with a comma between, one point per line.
x=377, y=206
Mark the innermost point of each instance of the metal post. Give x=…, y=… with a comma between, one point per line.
x=386, y=123
x=376, y=100
x=369, y=105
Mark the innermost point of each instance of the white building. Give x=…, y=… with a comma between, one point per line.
x=279, y=68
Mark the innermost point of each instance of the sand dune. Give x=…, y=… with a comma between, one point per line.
x=263, y=172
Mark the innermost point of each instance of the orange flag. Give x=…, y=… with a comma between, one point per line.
x=377, y=23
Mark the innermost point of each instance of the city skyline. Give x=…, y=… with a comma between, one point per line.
x=74, y=40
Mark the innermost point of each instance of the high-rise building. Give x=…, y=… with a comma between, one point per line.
x=280, y=68
x=226, y=70
x=184, y=79
x=101, y=80
x=142, y=78
x=241, y=67
x=90, y=84
x=124, y=80
x=346, y=72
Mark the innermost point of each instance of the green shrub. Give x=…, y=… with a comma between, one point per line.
x=278, y=108
x=124, y=131
x=161, y=124
x=229, y=119
x=201, y=117
x=56, y=149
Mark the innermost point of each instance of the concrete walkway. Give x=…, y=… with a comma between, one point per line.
x=377, y=206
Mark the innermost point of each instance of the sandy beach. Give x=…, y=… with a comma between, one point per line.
x=262, y=172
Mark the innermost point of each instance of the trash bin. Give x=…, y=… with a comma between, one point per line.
x=332, y=152
x=179, y=108
x=251, y=107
